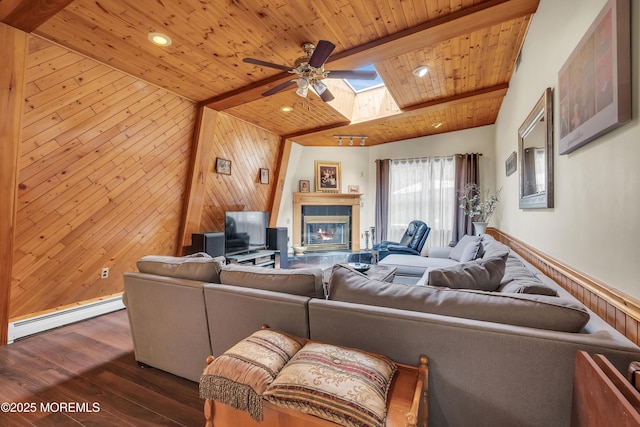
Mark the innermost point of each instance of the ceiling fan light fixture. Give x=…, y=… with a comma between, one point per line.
x=319, y=87
x=160, y=39
x=302, y=91
x=421, y=71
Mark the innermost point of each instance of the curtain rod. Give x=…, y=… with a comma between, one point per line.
x=425, y=158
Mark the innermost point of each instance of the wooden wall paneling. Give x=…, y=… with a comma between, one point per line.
x=199, y=168
x=616, y=308
x=101, y=186
x=249, y=148
x=13, y=51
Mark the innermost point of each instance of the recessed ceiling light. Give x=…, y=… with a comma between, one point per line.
x=421, y=71
x=286, y=109
x=160, y=39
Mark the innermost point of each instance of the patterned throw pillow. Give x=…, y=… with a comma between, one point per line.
x=346, y=386
x=239, y=376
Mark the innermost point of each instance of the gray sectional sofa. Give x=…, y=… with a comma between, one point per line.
x=499, y=357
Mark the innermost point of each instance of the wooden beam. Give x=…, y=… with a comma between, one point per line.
x=498, y=91
x=27, y=15
x=13, y=51
x=428, y=34
x=281, y=173
x=199, y=168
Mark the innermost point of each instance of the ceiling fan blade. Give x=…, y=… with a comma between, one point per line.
x=327, y=96
x=266, y=64
x=352, y=74
x=321, y=53
x=278, y=88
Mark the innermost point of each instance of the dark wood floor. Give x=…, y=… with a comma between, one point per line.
x=85, y=374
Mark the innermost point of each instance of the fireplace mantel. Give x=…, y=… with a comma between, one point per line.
x=327, y=199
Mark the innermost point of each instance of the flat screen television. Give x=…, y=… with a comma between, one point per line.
x=245, y=231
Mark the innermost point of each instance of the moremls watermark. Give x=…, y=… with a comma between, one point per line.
x=49, y=407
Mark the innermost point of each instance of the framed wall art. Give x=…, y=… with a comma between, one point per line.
x=223, y=166
x=511, y=164
x=264, y=176
x=594, y=84
x=305, y=185
x=327, y=177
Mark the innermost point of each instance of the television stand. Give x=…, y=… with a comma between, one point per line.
x=265, y=258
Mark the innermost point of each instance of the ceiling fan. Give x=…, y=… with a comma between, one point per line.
x=309, y=70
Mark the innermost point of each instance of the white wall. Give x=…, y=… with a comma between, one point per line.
x=358, y=166
x=594, y=226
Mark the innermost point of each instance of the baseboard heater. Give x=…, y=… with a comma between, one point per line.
x=36, y=324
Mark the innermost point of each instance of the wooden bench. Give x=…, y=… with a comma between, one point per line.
x=406, y=405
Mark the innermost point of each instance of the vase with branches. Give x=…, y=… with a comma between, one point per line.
x=477, y=205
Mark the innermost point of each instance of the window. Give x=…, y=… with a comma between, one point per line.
x=422, y=189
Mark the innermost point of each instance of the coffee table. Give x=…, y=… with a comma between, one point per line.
x=383, y=273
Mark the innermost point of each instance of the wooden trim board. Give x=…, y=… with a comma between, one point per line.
x=618, y=309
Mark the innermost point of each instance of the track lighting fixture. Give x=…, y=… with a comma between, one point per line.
x=363, y=139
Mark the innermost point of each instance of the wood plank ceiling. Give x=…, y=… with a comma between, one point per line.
x=471, y=47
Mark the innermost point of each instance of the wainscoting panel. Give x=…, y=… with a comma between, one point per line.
x=102, y=169
x=619, y=310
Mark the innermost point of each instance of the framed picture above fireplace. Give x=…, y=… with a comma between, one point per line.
x=327, y=176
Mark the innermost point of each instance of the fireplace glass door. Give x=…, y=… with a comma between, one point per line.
x=326, y=232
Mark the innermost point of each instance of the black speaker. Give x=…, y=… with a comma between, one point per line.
x=211, y=243
x=277, y=240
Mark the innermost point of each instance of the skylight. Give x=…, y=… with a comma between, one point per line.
x=362, y=85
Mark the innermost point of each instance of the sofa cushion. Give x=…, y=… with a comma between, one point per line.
x=520, y=279
x=535, y=311
x=346, y=386
x=241, y=375
x=467, y=249
x=413, y=265
x=483, y=274
x=528, y=287
x=200, y=267
x=491, y=247
x=300, y=281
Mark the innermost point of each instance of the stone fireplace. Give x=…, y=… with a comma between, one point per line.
x=326, y=221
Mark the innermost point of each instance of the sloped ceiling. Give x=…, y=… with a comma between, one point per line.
x=470, y=46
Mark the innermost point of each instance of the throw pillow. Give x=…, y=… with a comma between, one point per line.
x=346, y=386
x=482, y=274
x=240, y=376
x=467, y=249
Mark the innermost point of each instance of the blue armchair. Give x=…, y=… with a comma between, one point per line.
x=411, y=242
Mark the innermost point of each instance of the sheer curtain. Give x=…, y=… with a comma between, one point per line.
x=422, y=189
